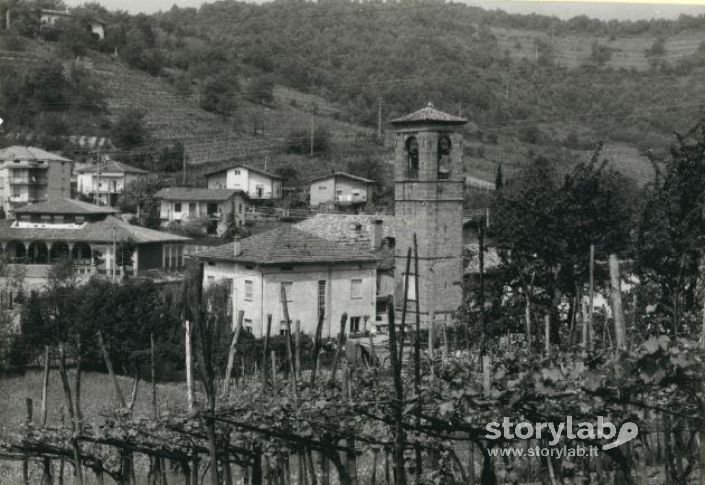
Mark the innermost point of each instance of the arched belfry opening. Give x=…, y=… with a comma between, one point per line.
x=444, y=165
x=428, y=204
x=412, y=158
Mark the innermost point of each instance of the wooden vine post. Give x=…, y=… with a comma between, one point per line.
x=620, y=331
x=231, y=354
x=289, y=342
x=317, y=346
x=297, y=347
x=417, y=360
x=341, y=343
x=265, y=351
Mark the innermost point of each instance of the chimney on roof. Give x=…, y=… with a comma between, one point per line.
x=377, y=231
x=237, y=246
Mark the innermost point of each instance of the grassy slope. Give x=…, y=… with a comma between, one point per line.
x=97, y=397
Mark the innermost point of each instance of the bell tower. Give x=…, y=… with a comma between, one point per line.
x=428, y=201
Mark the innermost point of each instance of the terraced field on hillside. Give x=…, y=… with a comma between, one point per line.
x=574, y=50
x=255, y=132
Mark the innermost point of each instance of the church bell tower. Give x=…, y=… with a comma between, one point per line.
x=428, y=202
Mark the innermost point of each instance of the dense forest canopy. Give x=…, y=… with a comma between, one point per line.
x=399, y=56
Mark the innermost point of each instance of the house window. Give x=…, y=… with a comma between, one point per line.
x=411, y=292
x=248, y=290
x=289, y=289
x=283, y=327
x=247, y=325
x=354, y=324
x=355, y=289
x=177, y=207
x=239, y=208
x=412, y=158
x=321, y=298
x=236, y=172
x=322, y=187
x=444, y=158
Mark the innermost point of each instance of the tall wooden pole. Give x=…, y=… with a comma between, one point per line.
x=189, y=364
x=289, y=343
x=379, y=119
x=620, y=332
x=265, y=353
x=155, y=402
x=231, y=354
x=417, y=358
x=297, y=347
x=45, y=386
x=591, y=302
x=399, y=435
x=312, y=129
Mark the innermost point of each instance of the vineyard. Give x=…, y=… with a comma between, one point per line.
x=410, y=406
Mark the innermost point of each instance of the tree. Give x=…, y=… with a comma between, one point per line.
x=74, y=37
x=543, y=228
x=670, y=246
x=171, y=157
x=138, y=197
x=218, y=95
x=600, y=54
x=499, y=178
x=130, y=130
x=261, y=89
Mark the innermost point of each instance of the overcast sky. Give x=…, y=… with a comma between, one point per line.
x=602, y=9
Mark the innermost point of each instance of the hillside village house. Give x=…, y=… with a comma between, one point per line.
x=90, y=236
x=48, y=18
x=104, y=183
x=29, y=174
x=256, y=183
x=340, y=189
x=192, y=203
x=319, y=277
x=370, y=232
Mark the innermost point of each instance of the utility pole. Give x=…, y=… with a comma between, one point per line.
x=184, y=166
x=312, y=128
x=266, y=159
x=379, y=119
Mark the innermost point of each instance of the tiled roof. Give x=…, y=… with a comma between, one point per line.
x=347, y=229
x=288, y=245
x=429, y=114
x=196, y=193
x=342, y=174
x=17, y=152
x=64, y=206
x=111, y=166
x=97, y=232
x=248, y=167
